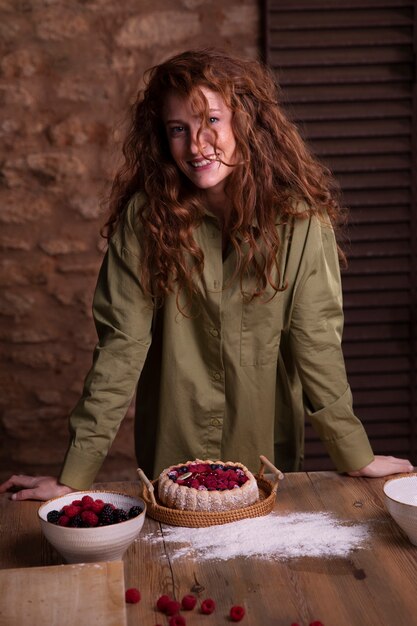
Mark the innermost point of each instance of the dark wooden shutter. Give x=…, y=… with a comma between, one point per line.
x=348, y=72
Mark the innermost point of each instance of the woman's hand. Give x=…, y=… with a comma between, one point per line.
x=384, y=466
x=34, y=487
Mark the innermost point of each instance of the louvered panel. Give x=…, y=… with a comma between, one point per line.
x=344, y=74
x=359, y=128
x=347, y=71
x=373, y=364
x=361, y=145
x=386, y=197
x=330, y=56
x=380, y=215
x=348, y=37
x=380, y=267
x=373, y=92
x=336, y=16
x=345, y=110
x=388, y=349
x=375, y=332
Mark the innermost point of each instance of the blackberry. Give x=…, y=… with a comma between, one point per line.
x=134, y=511
x=77, y=522
x=119, y=515
x=53, y=517
x=106, y=516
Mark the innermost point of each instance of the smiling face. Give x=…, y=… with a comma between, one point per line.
x=205, y=153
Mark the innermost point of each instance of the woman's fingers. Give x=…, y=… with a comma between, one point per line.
x=34, y=487
x=384, y=466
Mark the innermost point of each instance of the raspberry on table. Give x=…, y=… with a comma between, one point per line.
x=132, y=595
x=316, y=623
x=162, y=603
x=237, y=613
x=172, y=607
x=188, y=602
x=177, y=620
x=207, y=606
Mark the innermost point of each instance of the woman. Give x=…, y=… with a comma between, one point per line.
x=220, y=290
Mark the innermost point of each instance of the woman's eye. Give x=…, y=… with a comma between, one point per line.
x=213, y=120
x=176, y=130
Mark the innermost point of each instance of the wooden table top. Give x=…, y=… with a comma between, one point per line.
x=373, y=585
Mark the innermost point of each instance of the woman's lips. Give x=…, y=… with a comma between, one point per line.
x=203, y=162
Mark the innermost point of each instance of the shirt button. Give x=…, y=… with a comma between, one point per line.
x=217, y=376
x=215, y=422
x=214, y=332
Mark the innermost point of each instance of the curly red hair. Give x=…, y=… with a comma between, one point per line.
x=275, y=173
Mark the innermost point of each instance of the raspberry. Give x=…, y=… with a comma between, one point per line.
x=172, y=607
x=63, y=520
x=132, y=595
x=177, y=620
x=76, y=502
x=188, y=602
x=162, y=603
x=53, y=517
x=316, y=623
x=89, y=518
x=96, y=506
x=208, y=606
x=71, y=510
x=86, y=501
x=237, y=613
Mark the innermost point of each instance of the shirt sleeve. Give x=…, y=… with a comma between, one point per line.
x=123, y=319
x=315, y=334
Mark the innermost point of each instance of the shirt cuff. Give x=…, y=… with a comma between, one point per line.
x=343, y=434
x=80, y=469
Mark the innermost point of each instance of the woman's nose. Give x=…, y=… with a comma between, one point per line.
x=199, y=140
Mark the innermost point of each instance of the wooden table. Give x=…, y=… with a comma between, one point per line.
x=375, y=585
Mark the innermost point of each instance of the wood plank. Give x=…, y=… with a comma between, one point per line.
x=388, y=546
x=87, y=593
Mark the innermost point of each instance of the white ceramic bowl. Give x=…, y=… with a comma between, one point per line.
x=101, y=543
x=401, y=501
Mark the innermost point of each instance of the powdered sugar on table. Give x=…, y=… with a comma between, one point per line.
x=274, y=536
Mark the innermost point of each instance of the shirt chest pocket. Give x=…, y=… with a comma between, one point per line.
x=260, y=330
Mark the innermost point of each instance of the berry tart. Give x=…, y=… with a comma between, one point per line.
x=207, y=486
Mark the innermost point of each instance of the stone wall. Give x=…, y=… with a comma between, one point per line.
x=68, y=71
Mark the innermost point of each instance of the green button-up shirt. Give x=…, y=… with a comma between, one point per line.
x=235, y=378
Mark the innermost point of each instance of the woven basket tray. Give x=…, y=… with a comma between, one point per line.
x=197, y=519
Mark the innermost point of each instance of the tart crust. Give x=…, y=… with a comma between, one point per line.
x=176, y=496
